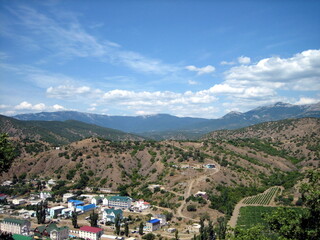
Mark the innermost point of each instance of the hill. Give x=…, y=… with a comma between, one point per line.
x=247, y=161
x=55, y=132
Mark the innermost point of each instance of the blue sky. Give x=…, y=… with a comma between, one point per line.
x=185, y=58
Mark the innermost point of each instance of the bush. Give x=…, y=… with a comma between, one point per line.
x=191, y=208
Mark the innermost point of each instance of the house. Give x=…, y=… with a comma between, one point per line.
x=54, y=211
x=67, y=196
x=6, y=183
x=51, y=231
x=18, y=226
x=86, y=208
x=141, y=205
x=97, y=200
x=152, y=225
x=210, y=166
x=52, y=182
x=3, y=196
x=119, y=202
x=109, y=215
x=74, y=203
x=92, y=233
x=18, y=201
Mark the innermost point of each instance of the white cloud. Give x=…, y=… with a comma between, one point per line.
x=244, y=60
x=64, y=34
x=191, y=82
x=300, y=72
x=306, y=100
x=204, y=70
x=26, y=106
x=227, y=63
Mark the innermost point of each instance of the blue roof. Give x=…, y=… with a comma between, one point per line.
x=87, y=207
x=154, y=221
x=76, y=202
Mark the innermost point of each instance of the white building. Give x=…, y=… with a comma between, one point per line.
x=67, y=196
x=15, y=226
x=55, y=211
x=45, y=195
x=92, y=233
x=152, y=225
x=141, y=205
x=18, y=201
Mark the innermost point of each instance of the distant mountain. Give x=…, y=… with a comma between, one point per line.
x=164, y=126
x=133, y=124
x=57, y=132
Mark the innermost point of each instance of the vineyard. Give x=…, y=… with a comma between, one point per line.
x=263, y=198
x=253, y=215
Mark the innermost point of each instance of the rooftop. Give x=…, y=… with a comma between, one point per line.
x=120, y=198
x=91, y=229
x=153, y=221
x=15, y=221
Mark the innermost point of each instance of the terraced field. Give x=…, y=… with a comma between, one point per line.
x=263, y=198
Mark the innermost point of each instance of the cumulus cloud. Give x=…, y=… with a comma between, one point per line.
x=26, y=106
x=227, y=63
x=306, y=100
x=300, y=72
x=244, y=60
x=204, y=70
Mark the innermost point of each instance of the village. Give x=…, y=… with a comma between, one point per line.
x=97, y=216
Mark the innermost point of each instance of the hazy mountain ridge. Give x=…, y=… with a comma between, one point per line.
x=57, y=132
x=165, y=126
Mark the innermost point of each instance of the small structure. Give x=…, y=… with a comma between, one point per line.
x=51, y=231
x=109, y=215
x=201, y=194
x=6, y=183
x=92, y=233
x=171, y=230
x=67, y=196
x=105, y=201
x=18, y=201
x=45, y=195
x=54, y=211
x=86, y=208
x=52, y=182
x=152, y=225
x=210, y=166
x=119, y=202
x=15, y=226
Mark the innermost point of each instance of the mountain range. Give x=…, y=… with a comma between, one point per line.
x=165, y=126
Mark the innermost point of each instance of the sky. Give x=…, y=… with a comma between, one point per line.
x=185, y=58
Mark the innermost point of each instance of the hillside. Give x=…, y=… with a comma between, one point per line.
x=58, y=133
x=247, y=160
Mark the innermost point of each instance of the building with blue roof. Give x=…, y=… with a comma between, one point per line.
x=74, y=203
x=153, y=225
x=86, y=208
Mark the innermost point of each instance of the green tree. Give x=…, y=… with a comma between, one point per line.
x=141, y=228
x=117, y=223
x=211, y=233
x=126, y=229
x=222, y=228
x=176, y=235
x=291, y=225
x=93, y=219
x=254, y=233
x=41, y=212
x=75, y=219
x=149, y=236
x=6, y=153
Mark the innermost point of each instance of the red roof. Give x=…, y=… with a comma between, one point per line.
x=91, y=229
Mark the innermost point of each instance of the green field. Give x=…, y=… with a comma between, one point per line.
x=263, y=198
x=252, y=215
